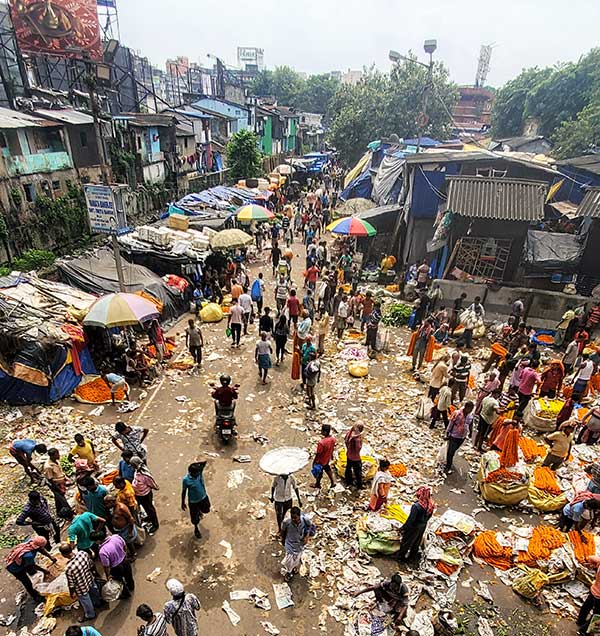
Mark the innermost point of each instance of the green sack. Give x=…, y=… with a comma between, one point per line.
x=228, y=332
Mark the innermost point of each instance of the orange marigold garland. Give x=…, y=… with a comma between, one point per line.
x=543, y=540
x=446, y=568
x=510, y=453
x=486, y=547
x=531, y=449
x=545, y=479
x=582, y=550
x=501, y=475
x=97, y=391
x=397, y=470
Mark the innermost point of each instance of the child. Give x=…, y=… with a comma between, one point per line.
x=262, y=356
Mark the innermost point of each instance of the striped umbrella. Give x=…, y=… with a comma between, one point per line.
x=117, y=310
x=352, y=226
x=254, y=213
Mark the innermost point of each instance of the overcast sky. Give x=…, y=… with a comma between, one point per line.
x=317, y=36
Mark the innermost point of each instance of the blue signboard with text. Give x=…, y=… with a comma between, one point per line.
x=106, y=217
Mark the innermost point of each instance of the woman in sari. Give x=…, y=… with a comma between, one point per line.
x=380, y=489
x=414, y=528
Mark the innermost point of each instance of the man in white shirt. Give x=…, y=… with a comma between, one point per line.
x=282, y=289
x=583, y=376
x=245, y=302
x=281, y=495
x=235, y=320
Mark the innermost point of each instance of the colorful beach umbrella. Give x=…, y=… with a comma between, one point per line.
x=118, y=310
x=254, y=213
x=352, y=226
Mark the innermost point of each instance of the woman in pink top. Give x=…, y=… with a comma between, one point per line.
x=143, y=484
x=527, y=382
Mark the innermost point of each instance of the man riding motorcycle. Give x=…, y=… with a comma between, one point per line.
x=225, y=398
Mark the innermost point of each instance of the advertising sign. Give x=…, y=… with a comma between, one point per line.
x=105, y=215
x=63, y=28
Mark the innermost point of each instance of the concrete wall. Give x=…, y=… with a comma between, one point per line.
x=544, y=308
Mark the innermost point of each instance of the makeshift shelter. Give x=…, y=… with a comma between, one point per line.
x=96, y=273
x=42, y=356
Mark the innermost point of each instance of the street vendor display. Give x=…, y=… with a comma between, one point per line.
x=121, y=309
x=541, y=414
x=545, y=492
x=502, y=485
x=95, y=390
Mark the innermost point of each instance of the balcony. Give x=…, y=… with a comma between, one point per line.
x=41, y=162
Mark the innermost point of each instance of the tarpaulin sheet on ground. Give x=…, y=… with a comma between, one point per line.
x=219, y=198
x=548, y=250
x=96, y=273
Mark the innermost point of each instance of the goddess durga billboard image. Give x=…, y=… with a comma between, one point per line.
x=63, y=28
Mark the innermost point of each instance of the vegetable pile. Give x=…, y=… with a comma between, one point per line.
x=397, y=314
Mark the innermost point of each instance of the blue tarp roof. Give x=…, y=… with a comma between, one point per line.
x=219, y=197
x=361, y=187
x=426, y=142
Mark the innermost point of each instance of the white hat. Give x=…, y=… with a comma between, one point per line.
x=175, y=587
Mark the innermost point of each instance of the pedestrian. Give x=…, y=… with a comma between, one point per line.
x=181, y=610
x=281, y=333
x=353, y=441
x=527, y=382
x=516, y=311
x=93, y=496
x=570, y=356
x=312, y=376
x=578, y=513
x=563, y=326
x=262, y=356
x=245, y=302
x=322, y=325
x=81, y=578
x=144, y=485
x=488, y=414
x=414, y=528
x=125, y=494
x=295, y=532
x=380, y=488
x=308, y=303
x=423, y=274
x=560, y=443
x=36, y=513
x=477, y=308
x=57, y=481
x=439, y=376
x=282, y=289
x=341, y=316
x=590, y=426
x=281, y=496
x=235, y=320
x=130, y=438
x=582, y=378
x=116, y=383
x=22, y=450
x=126, y=470
x=257, y=292
x=422, y=340
x=323, y=456
x=265, y=322
x=83, y=630
x=193, y=486
x=293, y=307
x=304, y=326
x=460, y=374
x=156, y=624
x=194, y=341
x=20, y=562
x=122, y=522
x=591, y=605
x=457, y=431
x=551, y=379
x=82, y=528
x=83, y=449
x=113, y=556
x=305, y=350
x=444, y=402
x=457, y=308
x=373, y=327
x=275, y=256
x=236, y=290
x=392, y=595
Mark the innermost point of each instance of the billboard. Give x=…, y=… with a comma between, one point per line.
x=105, y=215
x=250, y=56
x=63, y=28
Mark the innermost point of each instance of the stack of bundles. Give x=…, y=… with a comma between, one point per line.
x=501, y=485
x=544, y=491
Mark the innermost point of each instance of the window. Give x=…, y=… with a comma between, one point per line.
x=139, y=143
x=30, y=193
x=83, y=140
x=85, y=179
x=56, y=185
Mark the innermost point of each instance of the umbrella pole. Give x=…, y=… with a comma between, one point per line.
x=118, y=262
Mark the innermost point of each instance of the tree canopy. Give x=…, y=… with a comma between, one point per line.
x=382, y=104
x=564, y=101
x=243, y=156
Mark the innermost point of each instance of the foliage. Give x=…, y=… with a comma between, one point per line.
x=67, y=466
x=317, y=93
x=384, y=104
x=397, y=314
x=283, y=82
x=508, y=114
x=66, y=215
x=552, y=96
x=33, y=260
x=579, y=136
x=122, y=161
x=243, y=156
x=3, y=228
x=15, y=195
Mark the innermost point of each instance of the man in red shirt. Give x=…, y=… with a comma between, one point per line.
x=323, y=456
x=353, y=441
x=312, y=274
x=293, y=305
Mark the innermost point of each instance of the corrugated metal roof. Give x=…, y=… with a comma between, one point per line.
x=507, y=199
x=590, y=206
x=15, y=119
x=591, y=163
x=66, y=116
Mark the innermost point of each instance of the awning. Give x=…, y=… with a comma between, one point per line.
x=381, y=213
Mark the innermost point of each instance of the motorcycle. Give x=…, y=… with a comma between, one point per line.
x=225, y=422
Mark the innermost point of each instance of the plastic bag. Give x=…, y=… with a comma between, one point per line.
x=317, y=471
x=228, y=332
x=594, y=626
x=358, y=368
x=211, y=313
x=424, y=410
x=140, y=537
x=442, y=453
x=111, y=590
x=530, y=583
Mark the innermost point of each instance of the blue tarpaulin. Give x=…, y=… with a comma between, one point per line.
x=426, y=142
x=361, y=187
x=426, y=197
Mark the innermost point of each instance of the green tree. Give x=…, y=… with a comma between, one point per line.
x=262, y=84
x=578, y=136
x=508, y=113
x=316, y=94
x=243, y=156
x=383, y=104
x=283, y=83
